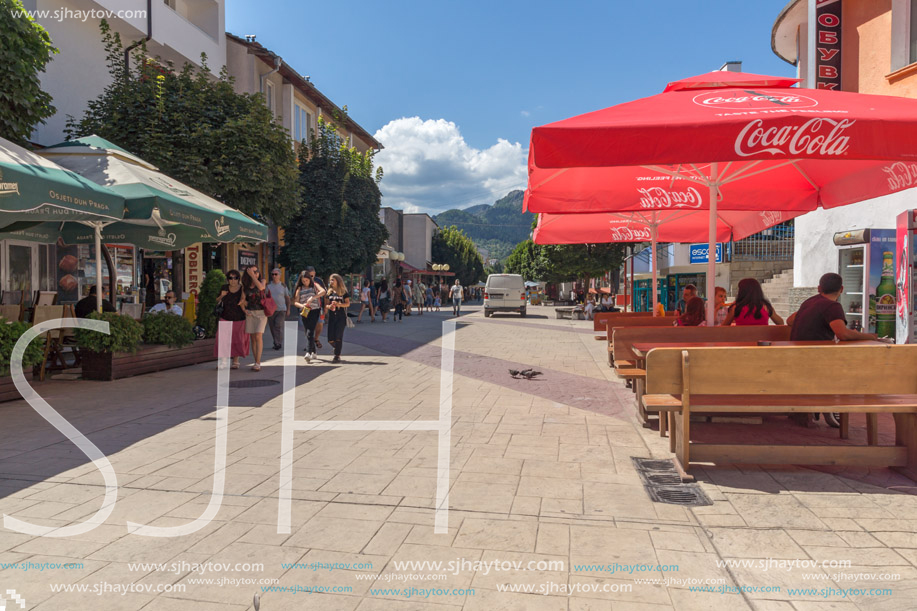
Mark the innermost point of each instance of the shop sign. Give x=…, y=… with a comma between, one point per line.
x=828, y=44
x=193, y=273
x=247, y=258
x=698, y=253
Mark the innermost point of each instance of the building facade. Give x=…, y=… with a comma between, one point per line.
x=418, y=240
x=865, y=46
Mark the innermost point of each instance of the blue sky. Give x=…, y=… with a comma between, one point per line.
x=452, y=89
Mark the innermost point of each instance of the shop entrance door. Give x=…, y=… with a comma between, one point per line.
x=20, y=268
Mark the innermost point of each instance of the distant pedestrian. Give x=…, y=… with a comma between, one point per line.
x=231, y=300
x=437, y=302
x=255, y=319
x=398, y=300
x=385, y=299
x=419, y=291
x=366, y=303
x=338, y=301
x=428, y=298
x=456, y=293
x=308, y=298
x=283, y=300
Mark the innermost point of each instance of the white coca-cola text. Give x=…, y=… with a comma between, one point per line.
x=769, y=100
x=816, y=137
x=630, y=234
x=771, y=218
x=901, y=175
x=657, y=197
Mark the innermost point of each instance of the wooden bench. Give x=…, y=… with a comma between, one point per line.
x=636, y=321
x=863, y=379
x=600, y=320
x=629, y=366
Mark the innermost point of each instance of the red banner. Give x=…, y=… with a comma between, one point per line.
x=828, y=44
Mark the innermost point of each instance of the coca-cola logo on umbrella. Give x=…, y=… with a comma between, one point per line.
x=630, y=234
x=817, y=137
x=901, y=175
x=658, y=197
x=753, y=100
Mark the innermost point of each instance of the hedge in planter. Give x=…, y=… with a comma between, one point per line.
x=207, y=300
x=124, y=334
x=9, y=335
x=167, y=329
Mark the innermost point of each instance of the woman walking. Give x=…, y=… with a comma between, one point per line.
x=366, y=303
x=338, y=302
x=385, y=299
x=232, y=302
x=255, y=319
x=398, y=301
x=307, y=296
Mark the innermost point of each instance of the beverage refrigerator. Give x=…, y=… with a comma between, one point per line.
x=866, y=263
x=905, y=282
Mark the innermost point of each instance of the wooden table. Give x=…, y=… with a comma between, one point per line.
x=642, y=348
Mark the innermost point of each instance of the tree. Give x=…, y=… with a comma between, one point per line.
x=196, y=129
x=337, y=228
x=562, y=262
x=25, y=51
x=452, y=246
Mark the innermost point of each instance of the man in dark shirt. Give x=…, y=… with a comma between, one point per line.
x=688, y=294
x=821, y=317
x=87, y=305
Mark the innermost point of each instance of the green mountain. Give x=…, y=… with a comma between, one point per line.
x=497, y=227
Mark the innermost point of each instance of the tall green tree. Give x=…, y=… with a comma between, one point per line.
x=337, y=228
x=25, y=50
x=196, y=129
x=564, y=262
x=452, y=246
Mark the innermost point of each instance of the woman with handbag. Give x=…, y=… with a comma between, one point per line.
x=231, y=307
x=256, y=304
x=398, y=300
x=385, y=299
x=338, y=301
x=307, y=296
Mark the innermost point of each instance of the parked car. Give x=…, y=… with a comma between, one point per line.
x=504, y=293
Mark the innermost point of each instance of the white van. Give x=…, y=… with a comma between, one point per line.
x=504, y=293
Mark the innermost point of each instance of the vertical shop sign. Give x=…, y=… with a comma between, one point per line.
x=828, y=44
x=193, y=269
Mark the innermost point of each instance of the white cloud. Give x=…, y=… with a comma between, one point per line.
x=525, y=113
x=430, y=168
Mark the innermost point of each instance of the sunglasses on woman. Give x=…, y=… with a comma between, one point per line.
x=232, y=277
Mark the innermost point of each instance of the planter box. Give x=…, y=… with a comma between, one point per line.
x=147, y=359
x=8, y=391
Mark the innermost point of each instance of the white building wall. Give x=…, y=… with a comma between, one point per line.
x=418, y=239
x=815, y=252
x=78, y=73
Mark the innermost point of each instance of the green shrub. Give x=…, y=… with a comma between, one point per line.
x=9, y=335
x=207, y=300
x=124, y=334
x=167, y=329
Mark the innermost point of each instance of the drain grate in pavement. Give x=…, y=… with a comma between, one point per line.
x=253, y=383
x=663, y=484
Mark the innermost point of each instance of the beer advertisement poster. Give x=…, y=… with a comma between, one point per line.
x=882, y=282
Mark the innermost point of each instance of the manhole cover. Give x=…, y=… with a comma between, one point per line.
x=688, y=494
x=653, y=464
x=253, y=383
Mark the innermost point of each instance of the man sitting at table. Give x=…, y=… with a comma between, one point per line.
x=682, y=305
x=87, y=305
x=821, y=317
x=167, y=305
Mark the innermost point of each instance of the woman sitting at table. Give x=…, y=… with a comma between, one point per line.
x=751, y=307
x=694, y=315
x=589, y=308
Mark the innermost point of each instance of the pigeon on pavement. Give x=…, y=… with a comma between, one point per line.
x=528, y=375
x=514, y=372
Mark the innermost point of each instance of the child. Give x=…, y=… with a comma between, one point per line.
x=437, y=303
x=720, y=307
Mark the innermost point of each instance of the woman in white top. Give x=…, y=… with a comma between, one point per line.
x=366, y=303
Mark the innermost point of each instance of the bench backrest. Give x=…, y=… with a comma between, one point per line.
x=624, y=338
x=783, y=370
x=639, y=321
x=11, y=312
x=599, y=318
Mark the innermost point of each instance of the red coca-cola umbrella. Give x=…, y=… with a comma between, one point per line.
x=653, y=226
x=726, y=141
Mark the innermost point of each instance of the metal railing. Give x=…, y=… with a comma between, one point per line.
x=774, y=244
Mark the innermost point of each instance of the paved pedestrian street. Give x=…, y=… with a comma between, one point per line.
x=546, y=509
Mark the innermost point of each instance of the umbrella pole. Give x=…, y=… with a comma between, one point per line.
x=655, y=289
x=711, y=245
x=98, y=239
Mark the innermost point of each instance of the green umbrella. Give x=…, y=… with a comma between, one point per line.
x=152, y=198
x=36, y=189
x=171, y=237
